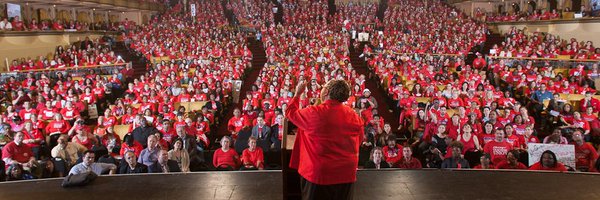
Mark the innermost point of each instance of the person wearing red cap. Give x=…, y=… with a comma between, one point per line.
x=327, y=169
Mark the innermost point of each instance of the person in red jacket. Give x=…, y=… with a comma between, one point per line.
x=327, y=169
x=226, y=158
x=548, y=162
x=392, y=151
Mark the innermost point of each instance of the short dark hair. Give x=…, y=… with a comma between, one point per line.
x=456, y=144
x=338, y=90
x=89, y=151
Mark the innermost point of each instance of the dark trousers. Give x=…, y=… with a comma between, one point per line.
x=312, y=191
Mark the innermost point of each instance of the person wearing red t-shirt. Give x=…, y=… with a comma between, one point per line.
x=33, y=138
x=585, y=153
x=129, y=144
x=57, y=127
x=226, y=158
x=237, y=123
x=391, y=152
x=548, y=162
x=252, y=157
x=498, y=148
x=27, y=111
x=512, y=161
x=17, y=152
x=322, y=163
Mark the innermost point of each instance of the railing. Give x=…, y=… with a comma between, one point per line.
x=51, y=73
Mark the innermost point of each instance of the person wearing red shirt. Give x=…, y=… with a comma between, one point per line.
x=33, y=138
x=27, y=111
x=548, y=162
x=391, y=152
x=69, y=112
x=322, y=163
x=129, y=144
x=407, y=161
x=512, y=161
x=585, y=153
x=57, y=127
x=16, y=152
x=498, y=148
x=252, y=157
x=226, y=158
x=588, y=101
x=237, y=123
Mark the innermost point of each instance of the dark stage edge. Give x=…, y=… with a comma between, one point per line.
x=371, y=185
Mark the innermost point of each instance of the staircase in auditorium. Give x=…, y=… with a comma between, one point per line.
x=259, y=58
x=491, y=40
x=385, y=110
x=138, y=63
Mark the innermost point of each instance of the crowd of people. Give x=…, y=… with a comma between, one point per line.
x=482, y=115
x=519, y=43
x=16, y=24
x=79, y=54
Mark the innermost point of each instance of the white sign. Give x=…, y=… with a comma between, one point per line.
x=193, y=9
x=565, y=153
x=13, y=10
x=93, y=111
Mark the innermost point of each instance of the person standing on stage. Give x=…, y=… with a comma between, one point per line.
x=326, y=147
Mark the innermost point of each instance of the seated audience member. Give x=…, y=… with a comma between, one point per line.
x=408, y=161
x=179, y=154
x=129, y=144
x=89, y=164
x=80, y=134
x=67, y=151
x=456, y=161
x=376, y=160
x=16, y=152
x=497, y=148
x=556, y=137
x=252, y=157
x=163, y=164
x=57, y=127
x=190, y=144
x=141, y=133
x=585, y=153
x=149, y=155
x=548, y=162
x=485, y=162
x=131, y=166
x=33, y=138
x=237, y=123
x=226, y=158
x=15, y=172
x=261, y=132
x=512, y=161
x=391, y=152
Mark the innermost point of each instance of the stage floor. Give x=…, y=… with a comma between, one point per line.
x=371, y=185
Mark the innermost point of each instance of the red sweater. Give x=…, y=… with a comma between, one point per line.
x=229, y=158
x=253, y=157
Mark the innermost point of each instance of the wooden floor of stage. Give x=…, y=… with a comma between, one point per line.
x=371, y=185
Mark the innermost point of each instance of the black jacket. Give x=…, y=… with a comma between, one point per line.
x=139, y=168
x=155, y=168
